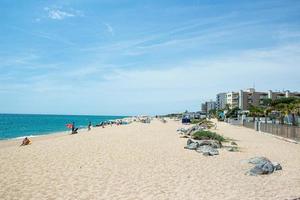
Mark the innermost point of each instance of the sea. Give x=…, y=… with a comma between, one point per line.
x=14, y=126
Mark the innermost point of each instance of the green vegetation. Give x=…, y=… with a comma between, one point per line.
x=203, y=122
x=256, y=111
x=232, y=113
x=208, y=135
x=195, y=121
x=274, y=109
x=213, y=113
x=207, y=123
x=280, y=108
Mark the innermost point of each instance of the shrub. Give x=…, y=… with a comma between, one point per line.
x=195, y=121
x=208, y=135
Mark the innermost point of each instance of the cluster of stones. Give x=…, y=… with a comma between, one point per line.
x=206, y=147
x=210, y=148
x=190, y=131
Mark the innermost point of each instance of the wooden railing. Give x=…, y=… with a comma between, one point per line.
x=283, y=130
x=287, y=131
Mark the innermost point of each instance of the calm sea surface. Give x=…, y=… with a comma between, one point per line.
x=19, y=125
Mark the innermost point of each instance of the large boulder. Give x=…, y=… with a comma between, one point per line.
x=263, y=166
x=207, y=150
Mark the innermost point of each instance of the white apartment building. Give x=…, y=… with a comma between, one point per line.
x=233, y=99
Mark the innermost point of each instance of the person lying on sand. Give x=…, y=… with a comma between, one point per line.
x=26, y=141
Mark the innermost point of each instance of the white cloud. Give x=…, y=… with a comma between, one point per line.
x=59, y=14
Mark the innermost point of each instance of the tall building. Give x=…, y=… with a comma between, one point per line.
x=221, y=101
x=207, y=106
x=292, y=94
x=232, y=99
x=210, y=105
x=245, y=98
x=204, y=108
x=251, y=97
x=275, y=95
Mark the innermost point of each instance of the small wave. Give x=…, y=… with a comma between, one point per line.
x=33, y=136
x=21, y=137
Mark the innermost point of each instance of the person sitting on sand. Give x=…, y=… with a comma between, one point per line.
x=26, y=141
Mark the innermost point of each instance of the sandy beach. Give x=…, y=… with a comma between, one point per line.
x=145, y=161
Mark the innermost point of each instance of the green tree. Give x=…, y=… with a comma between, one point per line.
x=256, y=111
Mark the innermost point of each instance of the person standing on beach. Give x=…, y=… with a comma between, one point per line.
x=74, y=130
x=89, y=126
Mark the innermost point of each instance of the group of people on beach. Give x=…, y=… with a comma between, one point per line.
x=110, y=123
x=74, y=130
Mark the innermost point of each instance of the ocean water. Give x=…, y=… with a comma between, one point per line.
x=20, y=125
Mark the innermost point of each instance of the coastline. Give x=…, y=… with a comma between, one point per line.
x=12, y=132
x=17, y=141
x=145, y=161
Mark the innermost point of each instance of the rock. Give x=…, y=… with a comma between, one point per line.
x=189, y=141
x=182, y=130
x=194, y=129
x=233, y=149
x=207, y=150
x=192, y=146
x=268, y=168
x=276, y=166
x=233, y=143
x=212, y=143
x=263, y=166
x=258, y=160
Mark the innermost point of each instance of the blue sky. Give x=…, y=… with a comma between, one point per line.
x=142, y=57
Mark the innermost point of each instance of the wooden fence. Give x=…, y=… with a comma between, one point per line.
x=288, y=131
x=249, y=124
x=283, y=130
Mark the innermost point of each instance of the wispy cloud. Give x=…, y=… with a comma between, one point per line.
x=109, y=29
x=60, y=14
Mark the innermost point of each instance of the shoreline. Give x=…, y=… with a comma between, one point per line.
x=39, y=134
x=17, y=141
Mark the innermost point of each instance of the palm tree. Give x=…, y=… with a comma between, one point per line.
x=284, y=110
x=256, y=111
x=290, y=106
x=294, y=110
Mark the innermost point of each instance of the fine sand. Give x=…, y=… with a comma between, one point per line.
x=145, y=161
